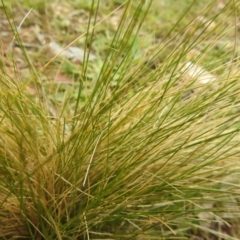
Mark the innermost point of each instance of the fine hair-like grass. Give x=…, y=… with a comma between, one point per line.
x=151, y=153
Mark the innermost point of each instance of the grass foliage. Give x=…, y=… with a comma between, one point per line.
x=148, y=152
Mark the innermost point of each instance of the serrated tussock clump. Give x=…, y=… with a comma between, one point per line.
x=152, y=151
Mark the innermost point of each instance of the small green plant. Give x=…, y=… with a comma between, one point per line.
x=144, y=145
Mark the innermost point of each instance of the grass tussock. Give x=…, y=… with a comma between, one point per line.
x=149, y=151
